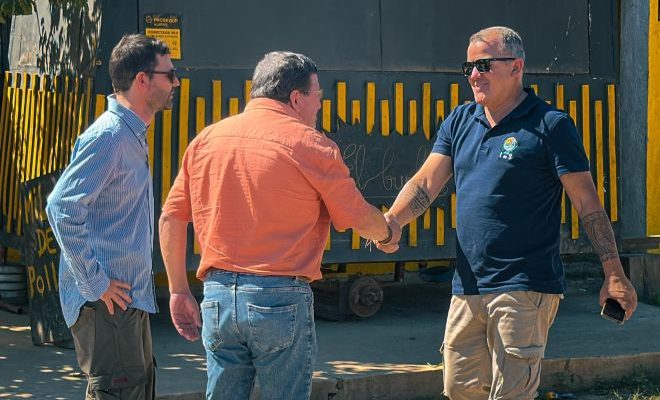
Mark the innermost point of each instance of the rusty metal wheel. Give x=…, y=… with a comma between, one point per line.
x=365, y=297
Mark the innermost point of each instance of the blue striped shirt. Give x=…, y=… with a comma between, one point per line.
x=101, y=212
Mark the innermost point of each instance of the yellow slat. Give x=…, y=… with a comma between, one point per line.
x=247, y=89
x=586, y=134
x=99, y=107
x=454, y=96
x=426, y=109
x=184, y=109
x=64, y=124
x=439, y=226
x=200, y=114
x=559, y=96
x=355, y=112
x=150, y=143
x=4, y=135
x=326, y=120
x=412, y=117
x=166, y=170
x=341, y=101
x=355, y=240
x=398, y=108
x=439, y=111
x=453, y=210
x=29, y=133
x=600, y=154
x=412, y=233
x=385, y=117
x=88, y=100
x=217, y=101
x=563, y=207
x=371, y=106
x=233, y=106
x=535, y=88
x=575, y=227
x=427, y=219
x=611, y=136
x=328, y=243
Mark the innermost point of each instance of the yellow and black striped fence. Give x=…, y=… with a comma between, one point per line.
x=42, y=116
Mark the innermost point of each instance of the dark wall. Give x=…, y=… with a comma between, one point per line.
x=390, y=35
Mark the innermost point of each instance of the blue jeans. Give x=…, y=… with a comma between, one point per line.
x=259, y=326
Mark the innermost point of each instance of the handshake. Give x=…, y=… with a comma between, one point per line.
x=391, y=243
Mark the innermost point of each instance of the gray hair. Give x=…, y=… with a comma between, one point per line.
x=510, y=41
x=281, y=72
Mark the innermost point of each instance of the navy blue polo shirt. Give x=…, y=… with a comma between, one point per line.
x=508, y=195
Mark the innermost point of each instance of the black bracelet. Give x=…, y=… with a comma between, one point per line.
x=388, y=238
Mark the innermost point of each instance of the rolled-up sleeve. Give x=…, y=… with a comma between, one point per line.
x=328, y=174
x=92, y=166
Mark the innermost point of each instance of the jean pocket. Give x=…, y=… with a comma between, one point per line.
x=272, y=328
x=211, y=337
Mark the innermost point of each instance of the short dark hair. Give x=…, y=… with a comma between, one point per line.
x=281, y=72
x=133, y=54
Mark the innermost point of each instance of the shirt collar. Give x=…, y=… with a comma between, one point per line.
x=131, y=119
x=521, y=109
x=264, y=103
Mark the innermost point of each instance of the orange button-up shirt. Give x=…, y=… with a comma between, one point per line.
x=261, y=189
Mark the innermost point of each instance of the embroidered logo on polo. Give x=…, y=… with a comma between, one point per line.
x=509, y=146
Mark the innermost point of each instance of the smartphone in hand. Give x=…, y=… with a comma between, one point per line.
x=613, y=311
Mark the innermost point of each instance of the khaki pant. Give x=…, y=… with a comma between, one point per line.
x=115, y=352
x=494, y=344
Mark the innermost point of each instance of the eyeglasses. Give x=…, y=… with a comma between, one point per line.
x=319, y=92
x=171, y=74
x=482, y=64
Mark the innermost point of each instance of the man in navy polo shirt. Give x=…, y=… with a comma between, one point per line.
x=510, y=154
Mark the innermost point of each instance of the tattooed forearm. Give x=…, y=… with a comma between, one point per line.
x=417, y=198
x=599, y=230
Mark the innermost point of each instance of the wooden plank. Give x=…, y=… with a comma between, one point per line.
x=233, y=106
x=166, y=170
x=217, y=101
x=385, y=117
x=426, y=109
x=575, y=225
x=398, y=108
x=371, y=106
x=412, y=117
x=600, y=151
x=355, y=112
x=612, y=150
x=326, y=121
x=454, y=96
x=184, y=110
x=439, y=226
x=341, y=101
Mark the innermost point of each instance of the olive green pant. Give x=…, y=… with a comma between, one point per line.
x=494, y=344
x=115, y=352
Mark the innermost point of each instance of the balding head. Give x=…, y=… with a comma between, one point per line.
x=509, y=41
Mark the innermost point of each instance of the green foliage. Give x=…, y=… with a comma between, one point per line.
x=25, y=7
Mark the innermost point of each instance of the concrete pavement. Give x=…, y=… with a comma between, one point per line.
x=393, y=355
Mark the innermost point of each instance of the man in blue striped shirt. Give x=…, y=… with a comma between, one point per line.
x=101, y=212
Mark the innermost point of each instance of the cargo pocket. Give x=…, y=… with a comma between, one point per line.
x=84, y=337
x=119, y=379
x=211, y=325
x=522, y=367
x=272, y=328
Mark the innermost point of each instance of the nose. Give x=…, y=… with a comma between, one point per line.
x=475, y=73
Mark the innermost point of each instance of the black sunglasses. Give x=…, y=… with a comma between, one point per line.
x=482, y=64
x=171, y=74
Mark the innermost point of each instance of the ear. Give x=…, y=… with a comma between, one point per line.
x=293, y=98
x=517, y=66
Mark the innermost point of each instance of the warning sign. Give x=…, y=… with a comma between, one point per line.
x=165, y=27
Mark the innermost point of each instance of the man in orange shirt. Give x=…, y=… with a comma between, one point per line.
x=261, y=189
